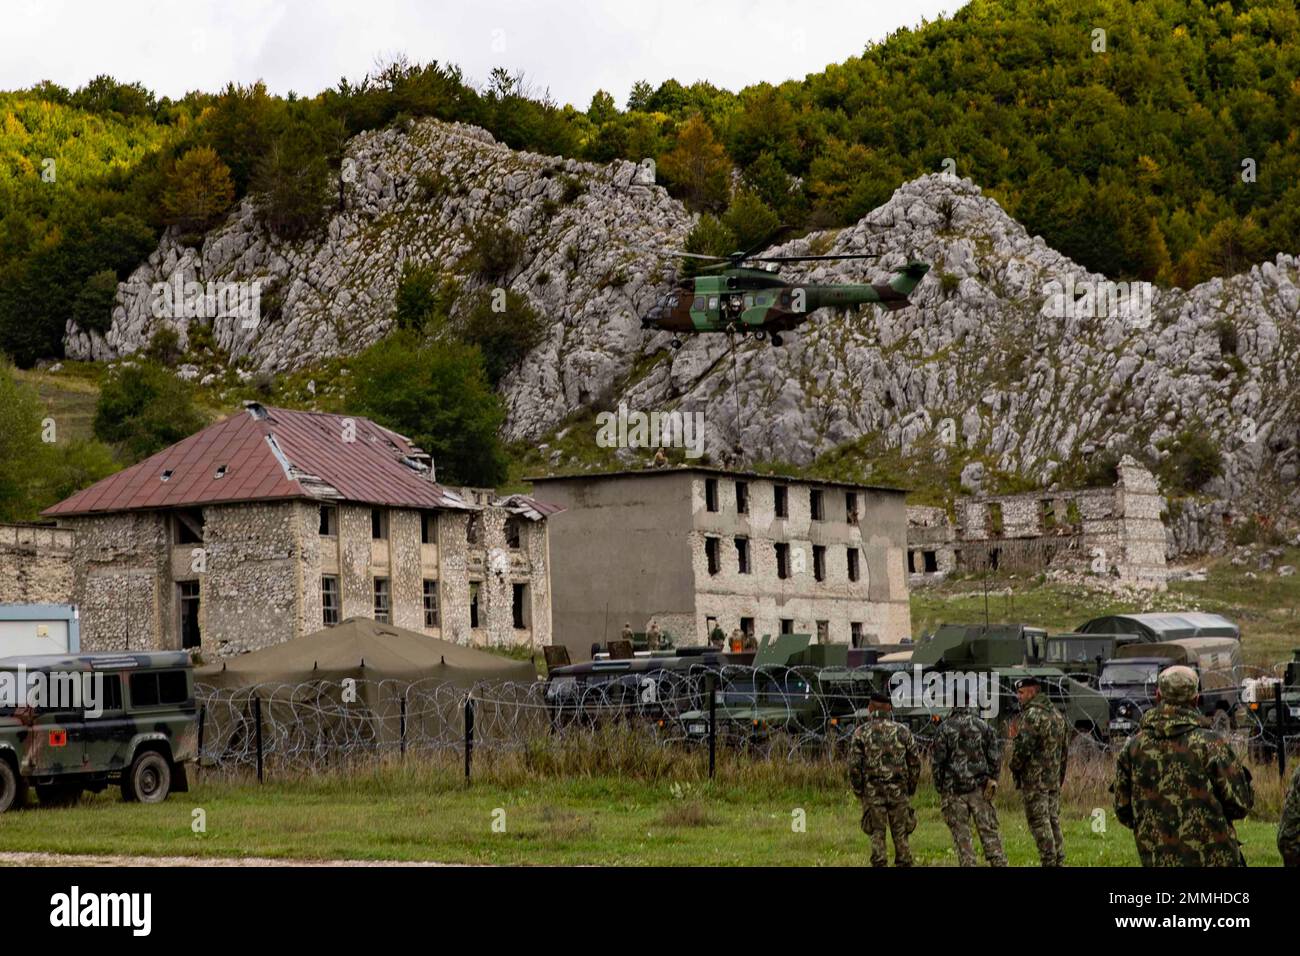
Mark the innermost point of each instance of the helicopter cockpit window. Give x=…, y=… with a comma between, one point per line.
x=713, y=302
x=698, y=304
x=749, y=301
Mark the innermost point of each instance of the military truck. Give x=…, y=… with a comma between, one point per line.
x=1128, y=680
x=1274, y=707
x=1004, y=650
x=132, y=722
x=1082, y=656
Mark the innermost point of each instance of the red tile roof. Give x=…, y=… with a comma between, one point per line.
x=273, y=453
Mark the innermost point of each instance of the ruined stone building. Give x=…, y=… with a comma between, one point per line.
x=272, y=523
x=693, y=547
x=1113, y=532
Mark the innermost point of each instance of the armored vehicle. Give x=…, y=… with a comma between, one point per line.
x=74, y=723
x=980, y=653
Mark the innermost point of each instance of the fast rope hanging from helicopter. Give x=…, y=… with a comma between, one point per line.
x=738, y=447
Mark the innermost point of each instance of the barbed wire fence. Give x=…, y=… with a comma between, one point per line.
x=791, y=713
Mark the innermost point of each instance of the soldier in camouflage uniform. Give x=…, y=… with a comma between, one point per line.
x=1038, y=758
x=1178, y=785
x=967, y=759
x=884, y=767
x=1288, y=828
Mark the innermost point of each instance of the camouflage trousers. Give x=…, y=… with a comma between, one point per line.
x=1043, y=813
x=888, y=808
x=959, y=809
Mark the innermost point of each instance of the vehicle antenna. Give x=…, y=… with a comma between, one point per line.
x=735, y=391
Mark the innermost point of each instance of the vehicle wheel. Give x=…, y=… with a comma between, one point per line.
x=13, y=790
x=58, y=794
x=776, y=338
x=677, y=343
x=149, y=779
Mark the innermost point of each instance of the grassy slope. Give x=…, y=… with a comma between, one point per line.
x=424, y=814
x=1264, y=607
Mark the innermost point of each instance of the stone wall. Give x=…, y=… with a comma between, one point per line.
x=36, y=565
x=1113, y=532
x=259, y=570
x=251, y=595
x=121, y=577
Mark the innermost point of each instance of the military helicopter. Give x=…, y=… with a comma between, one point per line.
x=728, y=296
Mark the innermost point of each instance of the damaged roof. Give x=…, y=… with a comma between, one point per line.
x=527, y=507
x=265, y=453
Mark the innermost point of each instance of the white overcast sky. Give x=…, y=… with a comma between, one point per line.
x=573, y=48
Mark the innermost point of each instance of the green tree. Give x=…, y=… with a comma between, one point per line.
x=293, y=182
x=74, y=465
x=22, y=453
x=697, y=169
x=93, y=307
x=750, y=220
x=437, y=394
x=504, y=328
x=708, y=237
x=419, y=297
x=143, y=408
x=199, y=190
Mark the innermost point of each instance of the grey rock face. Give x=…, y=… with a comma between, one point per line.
x=1021, y=383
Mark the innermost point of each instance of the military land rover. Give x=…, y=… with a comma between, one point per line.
x=70, y=724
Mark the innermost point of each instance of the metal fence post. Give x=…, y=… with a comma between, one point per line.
x=1280, y=706
x=469, y=734
x=402, y=721
x=257, y=732
x=203, y=714
x=713, y=724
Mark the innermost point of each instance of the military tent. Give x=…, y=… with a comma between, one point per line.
x=363, y=649
x=355, y=689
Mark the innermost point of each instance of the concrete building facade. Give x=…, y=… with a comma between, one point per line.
x=320, y=518
x=689, y=548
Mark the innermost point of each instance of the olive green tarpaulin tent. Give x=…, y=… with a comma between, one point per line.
x=363, y=649
x=355, y=689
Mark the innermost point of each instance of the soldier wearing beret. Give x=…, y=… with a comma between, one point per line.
x=1178, y=785
x=1038, y=758
x=884, y=768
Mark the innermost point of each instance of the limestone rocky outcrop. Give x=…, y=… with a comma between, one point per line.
x=981, y=368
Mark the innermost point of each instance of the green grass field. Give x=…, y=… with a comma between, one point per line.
x=426, y=812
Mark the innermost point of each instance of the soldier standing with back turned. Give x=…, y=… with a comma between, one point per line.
x=884, y=767
x=1178, y=785
x=1288, y=828
x=1038, y=758
x=967, y=759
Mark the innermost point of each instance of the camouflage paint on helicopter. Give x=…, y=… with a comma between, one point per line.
x=759, y=302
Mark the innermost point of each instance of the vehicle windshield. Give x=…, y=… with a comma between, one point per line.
x=1128, y=674
x=1077, y=649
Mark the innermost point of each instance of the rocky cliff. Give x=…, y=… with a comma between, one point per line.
x=987, y=371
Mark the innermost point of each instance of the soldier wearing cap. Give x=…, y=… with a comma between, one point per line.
x=884, y=768
x=1038, y=758
x=967, y=759
x=1178, y=785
